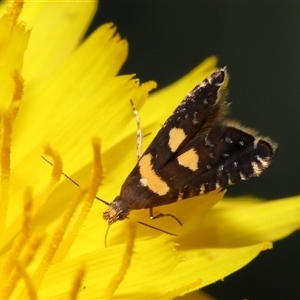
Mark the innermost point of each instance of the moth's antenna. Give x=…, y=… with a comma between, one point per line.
x=72, y=180
x=139, y=131
x=50, y=163
x=107, y=203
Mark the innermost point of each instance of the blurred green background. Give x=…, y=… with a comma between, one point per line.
x=260, y=44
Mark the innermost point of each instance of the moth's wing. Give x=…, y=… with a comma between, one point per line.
x=196, y=113
x=191, y=155
x=229, y=153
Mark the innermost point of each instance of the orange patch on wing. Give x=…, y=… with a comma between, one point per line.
x=189, y=159
x=154, y=182
x=176, y=137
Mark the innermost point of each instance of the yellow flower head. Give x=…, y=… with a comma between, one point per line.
x=60, y=96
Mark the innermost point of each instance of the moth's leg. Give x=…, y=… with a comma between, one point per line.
x=160, y=215
x=139, y=131
x=155, y=228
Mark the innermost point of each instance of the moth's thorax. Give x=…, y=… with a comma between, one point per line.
x=117, y=210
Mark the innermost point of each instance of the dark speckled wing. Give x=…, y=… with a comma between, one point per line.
x=196, y=152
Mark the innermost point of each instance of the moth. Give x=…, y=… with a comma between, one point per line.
x=196, y=151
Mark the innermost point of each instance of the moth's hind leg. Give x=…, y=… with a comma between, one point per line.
x=160, y=215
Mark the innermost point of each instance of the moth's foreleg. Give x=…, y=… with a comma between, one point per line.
x=160, y=215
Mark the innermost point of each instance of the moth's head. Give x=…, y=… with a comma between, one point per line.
x=117, y=210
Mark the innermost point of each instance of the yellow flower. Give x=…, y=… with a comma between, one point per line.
x=59, y=93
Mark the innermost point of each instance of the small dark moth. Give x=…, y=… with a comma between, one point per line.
x=195, y=152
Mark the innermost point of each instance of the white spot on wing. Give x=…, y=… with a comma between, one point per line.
x=144, y=181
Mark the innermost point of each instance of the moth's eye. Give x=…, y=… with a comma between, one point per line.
x=241, y=143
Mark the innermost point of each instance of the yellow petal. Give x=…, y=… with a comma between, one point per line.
x=73, y=94
x=13, y=40
x=250, y=221
x=75, y=103
x=158, y=269
x=57, y=28
x=196, y=295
